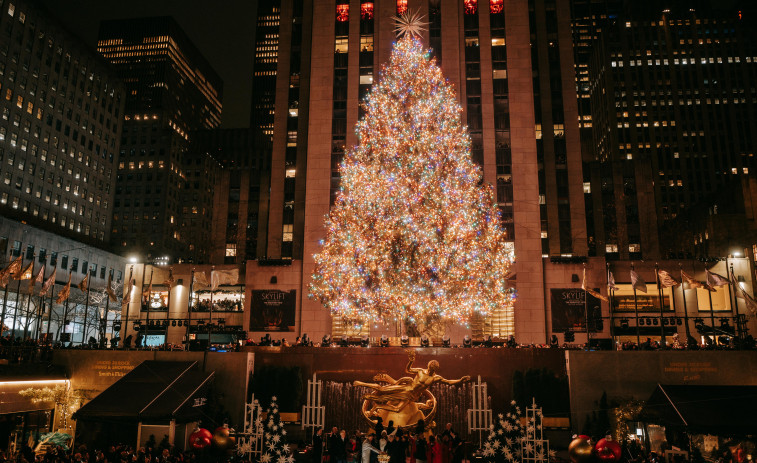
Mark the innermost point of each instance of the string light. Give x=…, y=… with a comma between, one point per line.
x=413, y=232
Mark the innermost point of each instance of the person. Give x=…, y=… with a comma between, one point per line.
x=383, y=441
x=317, y=452
x=338, y=448
x=390, y=429
x=379, y=427
x=367, y=448
x=436, y=450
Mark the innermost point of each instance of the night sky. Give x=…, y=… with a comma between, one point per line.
x=223, y=31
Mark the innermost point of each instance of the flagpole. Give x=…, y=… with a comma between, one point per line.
x=18, y=294
x=734, y=282
x=189, y=308
x=662, y=304
x=5, y=302
x=41, y=309
x=609, y=295
x=104, y=330
x=65, y=310
x=125, y=323
x=210, y=316
x=50, y=315
x=685, y=307
x=86, y=310
x=149, y=293
x=586, y=311
x=636, y=314
x=712, y=310
x=168, y=302
x=29, y=299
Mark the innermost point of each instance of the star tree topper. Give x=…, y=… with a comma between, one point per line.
x=409, y=24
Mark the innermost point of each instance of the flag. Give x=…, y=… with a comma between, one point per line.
x=48, y=283
x=170, y=280
x=611, y=283
x=65, y=292
x=109, y=289
x=691, y=281
x=8, y=271
x=40, y=278
x=26, y=273
x=666, y=281
x=751, y=304
x=591, y=291
x=637, y=283
x=201, y=279
x=83, y=284
x=228, y=277
x=127, y=293
x=713, y=279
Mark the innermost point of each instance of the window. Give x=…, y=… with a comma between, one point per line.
x=341, y=45
x=84, y=266
x=29, y=252
x=64, y=262
x=587, y=187
x=54, y=259
x=42, y=255
x=75, y=264
x=231, y=250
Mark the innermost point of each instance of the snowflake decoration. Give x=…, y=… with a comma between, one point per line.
x=266, y=458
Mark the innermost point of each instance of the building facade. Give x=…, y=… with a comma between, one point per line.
x=163, y=194
x=673, y=107
x=26, y=312
x=240, y=192
x=62, y=113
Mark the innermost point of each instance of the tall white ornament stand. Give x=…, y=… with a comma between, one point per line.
x=534, y=448
x=313, y=413
x=250, y=444
x=480, y=416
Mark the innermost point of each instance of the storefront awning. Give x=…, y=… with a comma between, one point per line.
x=154, y=391
x=719, y=410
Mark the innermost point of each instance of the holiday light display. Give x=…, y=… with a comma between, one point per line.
x=413, y=232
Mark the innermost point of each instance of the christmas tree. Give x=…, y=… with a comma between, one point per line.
x=275, y=449
x=413, y=232
x=503, y=443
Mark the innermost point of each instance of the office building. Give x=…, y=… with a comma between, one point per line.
x=163, y=196
x=62, y=112
x=673, y=105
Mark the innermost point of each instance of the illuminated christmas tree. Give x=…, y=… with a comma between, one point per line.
x=414, y=232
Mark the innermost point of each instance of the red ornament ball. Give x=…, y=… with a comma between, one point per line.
x=200, y=439
x=608, y=450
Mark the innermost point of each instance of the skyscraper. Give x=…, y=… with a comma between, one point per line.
x=512, y=65
x=62, y=112
x=673, y=105
x=163, y=195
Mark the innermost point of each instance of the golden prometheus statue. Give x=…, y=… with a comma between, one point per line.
x=406, y=400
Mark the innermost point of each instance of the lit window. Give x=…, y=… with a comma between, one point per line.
x=366, y=79
x=231, y=250
x=366, y=11
x=290, y=173
x=287, y=233
x=544, y=234
x=634, y=248
x=471, y=6
x=498, y=42
x=587, y=187
x=401, y=6
x=610, y=248
x=341, y=45
x=496, y=6
x=343, y=13
x=366, y=43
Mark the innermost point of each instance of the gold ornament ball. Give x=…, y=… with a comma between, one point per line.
x=580, y=450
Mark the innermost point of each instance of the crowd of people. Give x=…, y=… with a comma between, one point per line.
x=415, y=446
x=150, y=453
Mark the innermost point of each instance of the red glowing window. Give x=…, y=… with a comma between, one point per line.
x=366, y=11
x=496, y=6
x=471, y=6
x=343, y=13
x=401, y=6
